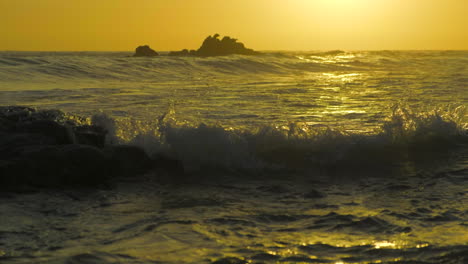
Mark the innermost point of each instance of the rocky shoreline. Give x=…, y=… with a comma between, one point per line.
x=46, y=148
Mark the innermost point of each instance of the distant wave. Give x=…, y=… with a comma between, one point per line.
x=46, y=66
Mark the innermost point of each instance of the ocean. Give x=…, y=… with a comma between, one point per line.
x=283, y=157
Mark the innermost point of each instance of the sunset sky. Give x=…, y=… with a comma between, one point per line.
x=118, y=25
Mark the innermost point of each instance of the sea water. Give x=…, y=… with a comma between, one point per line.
x=289, y=157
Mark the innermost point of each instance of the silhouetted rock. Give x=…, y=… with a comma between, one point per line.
x=84, y=165
x=145, y=51
x=90, y=135
x=184, y=52
x=47, y=128
x=12, y=145
x=214, y=46
x=46, y=148
x=53, y=166
x=128, y=160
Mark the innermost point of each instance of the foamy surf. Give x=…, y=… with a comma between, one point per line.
x=404, y=138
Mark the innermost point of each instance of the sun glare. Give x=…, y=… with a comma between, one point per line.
x=337, y=4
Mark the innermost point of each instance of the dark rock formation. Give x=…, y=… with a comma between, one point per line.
x=47, y=128
x=145, y=51
x=127, y=160
x=47, y=148
x=184, y=52
x=90, y=135
x=214, y=46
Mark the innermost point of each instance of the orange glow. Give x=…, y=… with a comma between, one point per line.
x=260, y=24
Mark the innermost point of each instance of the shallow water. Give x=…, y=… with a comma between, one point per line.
x=308, y=157
x=367, y=220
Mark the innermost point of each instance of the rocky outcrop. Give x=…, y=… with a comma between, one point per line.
x=46, y=148
x=214, y=46
x=184, y=52
x=145, y=51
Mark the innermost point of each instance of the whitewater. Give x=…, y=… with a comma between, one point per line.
x=287, y=157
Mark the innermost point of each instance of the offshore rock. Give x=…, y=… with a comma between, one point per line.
x=214, y=46
x=145, y=51
x=184, y=52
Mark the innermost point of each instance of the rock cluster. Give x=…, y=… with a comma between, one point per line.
x=48, y=149
x=145, y=51
x=214, y=46
x=211, y=46
x=184, y=52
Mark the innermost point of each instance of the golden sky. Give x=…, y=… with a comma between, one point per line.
x=261, y=24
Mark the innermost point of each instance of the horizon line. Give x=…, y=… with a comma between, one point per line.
x=279, y=50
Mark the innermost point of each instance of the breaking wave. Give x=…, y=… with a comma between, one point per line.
x=404, y=136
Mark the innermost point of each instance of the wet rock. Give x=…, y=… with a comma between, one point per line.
x=53, y=166
x=47, y=128
x=42, y=165
x=128, y=160
x=32, y=164
x=182, y=53
x=38, y=148
x=10, y=115
x=11, y=174
x=90, y=135
x=84, y=165
x=145, y=51
x=12, y=145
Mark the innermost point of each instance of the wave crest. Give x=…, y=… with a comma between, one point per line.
x=404, y=134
